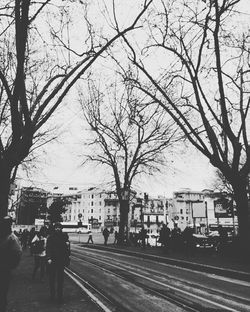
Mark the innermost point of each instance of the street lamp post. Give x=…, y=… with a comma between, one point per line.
x=79, y=223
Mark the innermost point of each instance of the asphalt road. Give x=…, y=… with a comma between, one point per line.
x=137, y=284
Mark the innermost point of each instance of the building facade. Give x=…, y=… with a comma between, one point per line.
x=199, y=210
x=89, y=206
x=31, y=205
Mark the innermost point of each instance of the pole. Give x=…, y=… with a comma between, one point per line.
x=207, y=217
x=233, y=220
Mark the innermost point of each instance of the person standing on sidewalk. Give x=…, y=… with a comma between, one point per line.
x=39, y=252
x=105, y=234
x=165, y=237
x=57, y=252
x=10, y=255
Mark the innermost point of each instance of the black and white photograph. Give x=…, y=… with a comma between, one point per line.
x=125, y=156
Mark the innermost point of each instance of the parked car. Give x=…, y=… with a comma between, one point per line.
x=205, y=241
x=152, y=239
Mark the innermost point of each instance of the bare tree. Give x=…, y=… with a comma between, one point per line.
x=40, y=63
x=221, y=184
x=130, y=137
x=203, y=48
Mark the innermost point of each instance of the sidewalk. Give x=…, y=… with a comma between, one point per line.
x=27, y=295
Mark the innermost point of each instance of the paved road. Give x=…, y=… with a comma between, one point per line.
x=138, y=284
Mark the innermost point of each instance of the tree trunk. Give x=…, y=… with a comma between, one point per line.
x=124, y=208
x=5, y=174
x=243, y=213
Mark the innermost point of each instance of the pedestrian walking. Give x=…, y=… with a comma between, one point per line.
x=39, y=253
x=10, y=255
x=143, y=235
x=106, y=236
x=116, y=237
x=58, y=256
x=90, y=239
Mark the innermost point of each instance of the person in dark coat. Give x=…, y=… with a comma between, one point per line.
x=188, y=239
x=105, y=235
x=165, y=236
x=223, y=238
x=116, y=237
x=57, y=252
x=143, y=236
x=176, y=238
x=10, y=255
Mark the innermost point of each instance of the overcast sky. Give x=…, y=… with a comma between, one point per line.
x=61, y=166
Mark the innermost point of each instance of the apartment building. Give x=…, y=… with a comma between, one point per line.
x=32, y=204
x=90, y=205
x=198, y=209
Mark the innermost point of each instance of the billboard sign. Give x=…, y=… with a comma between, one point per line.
x=223, y=208
x=199, y=210
x=39, y=222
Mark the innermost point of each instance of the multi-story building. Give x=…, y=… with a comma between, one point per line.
x=198, y=209
x=149, y=212
x=155, y=213
x=182, y=209
x=89, y=206
x=99, y=207
x=111, y=210
x=31, y=205
x=67, y=193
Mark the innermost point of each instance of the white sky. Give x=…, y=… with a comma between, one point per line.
x=61, y=167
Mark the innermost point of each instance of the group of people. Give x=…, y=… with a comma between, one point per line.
x=169, y=239
x=50, y=249
x=106, y=232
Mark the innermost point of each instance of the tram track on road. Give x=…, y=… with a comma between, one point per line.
x=185, y=297
x=103, y=303
x=106, y=303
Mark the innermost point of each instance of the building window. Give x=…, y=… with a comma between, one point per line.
x=92, y=203
x=92, y=210
x=181, y=211
x=92, y=196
